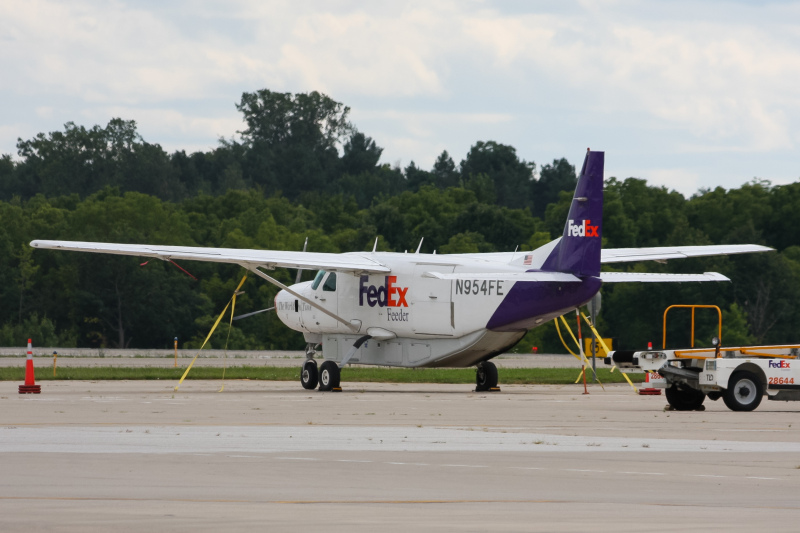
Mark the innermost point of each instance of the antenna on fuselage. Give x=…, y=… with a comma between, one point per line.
x=420, y=245
x=375, y=246
x=514, y=254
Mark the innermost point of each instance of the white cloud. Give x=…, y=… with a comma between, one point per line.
x=675, y=78
x=685, y=181
x=721, y=81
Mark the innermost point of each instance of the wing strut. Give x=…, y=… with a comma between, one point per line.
x=277, y=283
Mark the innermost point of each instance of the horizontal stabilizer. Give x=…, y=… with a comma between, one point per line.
x=662, y=253
x=507, y=276
x=642, y=277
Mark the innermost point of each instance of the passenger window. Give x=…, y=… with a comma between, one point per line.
x=330, y=283
x=317, y=280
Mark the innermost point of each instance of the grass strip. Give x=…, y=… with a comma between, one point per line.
x=508, y=376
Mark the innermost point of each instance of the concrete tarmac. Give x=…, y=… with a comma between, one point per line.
x=138, y=456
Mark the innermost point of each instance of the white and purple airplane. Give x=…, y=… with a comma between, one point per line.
x=437, y=310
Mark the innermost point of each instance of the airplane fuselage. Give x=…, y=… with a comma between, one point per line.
x=418, y=320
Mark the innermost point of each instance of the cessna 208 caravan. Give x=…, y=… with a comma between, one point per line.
x=436, y=310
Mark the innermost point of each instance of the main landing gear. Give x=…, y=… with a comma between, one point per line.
x=486, y=377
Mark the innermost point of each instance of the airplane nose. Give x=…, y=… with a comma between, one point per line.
x=288, y=310
x=285, y=302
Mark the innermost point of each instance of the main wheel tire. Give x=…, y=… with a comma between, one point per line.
x=329, y=376
x=684, y=399
x=486, y=376
x=744, y=391
x=309, y=374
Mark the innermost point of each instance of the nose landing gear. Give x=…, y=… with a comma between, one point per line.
x=309, y=375
x=327, y=375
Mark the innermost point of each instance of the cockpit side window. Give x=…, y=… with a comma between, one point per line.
x=330, y=283
x=317, y=280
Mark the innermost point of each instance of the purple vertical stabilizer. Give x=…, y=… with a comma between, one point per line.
x=578, y=252
x=530, y=303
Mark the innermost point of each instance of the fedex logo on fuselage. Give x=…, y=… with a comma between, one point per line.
x=778, y=364
x=584, y=229
x=387, y=295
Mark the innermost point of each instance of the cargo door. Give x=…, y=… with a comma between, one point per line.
x=431, y=302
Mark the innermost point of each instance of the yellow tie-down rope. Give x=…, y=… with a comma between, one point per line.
x=602, y=342
x=582, y=358
x=576, y=356
x=231, y=301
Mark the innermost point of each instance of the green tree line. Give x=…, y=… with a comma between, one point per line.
x=301, y=169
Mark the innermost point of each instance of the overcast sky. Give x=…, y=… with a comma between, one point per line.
x=683, y=94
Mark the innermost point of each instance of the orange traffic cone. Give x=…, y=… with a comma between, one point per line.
x=30, y=386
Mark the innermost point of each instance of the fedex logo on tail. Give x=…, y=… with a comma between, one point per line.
x=583, y=229
x=387, y=295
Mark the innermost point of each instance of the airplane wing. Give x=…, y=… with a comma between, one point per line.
x=264, y=258
x=620, y=255
x=619, y=277
x=662, y=253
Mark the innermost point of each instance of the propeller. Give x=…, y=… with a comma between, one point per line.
x=253, y=313
x=297, y=280
x=300, y=272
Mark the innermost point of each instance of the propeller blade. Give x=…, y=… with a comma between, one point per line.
x=300, y=272
x=253, y=313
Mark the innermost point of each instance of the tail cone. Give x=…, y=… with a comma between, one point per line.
x=30, y=386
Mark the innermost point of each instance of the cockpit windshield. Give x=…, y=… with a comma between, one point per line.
x=317, y=280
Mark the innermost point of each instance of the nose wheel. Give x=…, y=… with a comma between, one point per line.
x=309, y=375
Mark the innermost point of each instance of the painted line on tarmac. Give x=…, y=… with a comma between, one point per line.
x=183, y=439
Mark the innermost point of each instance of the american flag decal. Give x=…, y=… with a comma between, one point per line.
x=527, y=260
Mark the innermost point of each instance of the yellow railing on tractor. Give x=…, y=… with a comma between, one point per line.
x=716, y=351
